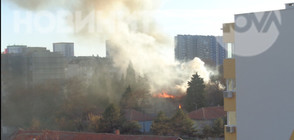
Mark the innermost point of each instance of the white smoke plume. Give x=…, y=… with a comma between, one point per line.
x=130, y=26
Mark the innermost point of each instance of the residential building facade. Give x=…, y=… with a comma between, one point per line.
x=45, y=66
x=65, y=48
x=230, y=76
x=207, y=48
x=16, y=49
x=32, y=66
x=259, y=75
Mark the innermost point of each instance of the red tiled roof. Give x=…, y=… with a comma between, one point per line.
x=62, y=135
x=208, y=113
x=133, y=115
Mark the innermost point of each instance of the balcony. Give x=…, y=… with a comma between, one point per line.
x=229, y=69
x=230, y=101
x=230, y=132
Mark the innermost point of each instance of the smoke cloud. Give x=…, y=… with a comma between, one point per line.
x=130, y=26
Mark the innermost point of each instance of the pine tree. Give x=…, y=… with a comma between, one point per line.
x=125, y=101
x=111, y=119
x=161, y=125
x=218, y=127
x=195, y=94
x=130, y=75
x=182, y=124
x=130, y=127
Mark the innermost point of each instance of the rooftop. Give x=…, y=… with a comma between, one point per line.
x=134, y=115
x=208, y=113
x=63, y=135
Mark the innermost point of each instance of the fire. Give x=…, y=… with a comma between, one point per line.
x=164, y=95
x=180, y=106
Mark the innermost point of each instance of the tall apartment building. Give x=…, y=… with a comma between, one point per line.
x=65, y=48
x=32, y=66
x=110, y=49
x=259, y=74
x=207, y=48
x=221, y=52
x=45, y=66
x=107, y=48
x=16, y=49
x=230, y=76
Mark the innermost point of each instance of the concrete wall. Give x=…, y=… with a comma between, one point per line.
x=265, y=75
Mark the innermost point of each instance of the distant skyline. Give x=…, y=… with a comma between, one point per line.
x=172, y=16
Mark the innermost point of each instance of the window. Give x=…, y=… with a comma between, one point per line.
x=230, y=50
x=231, y=84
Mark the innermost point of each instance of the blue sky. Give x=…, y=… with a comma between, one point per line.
x=202, y=17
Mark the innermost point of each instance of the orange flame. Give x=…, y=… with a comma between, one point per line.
x=164, y=95
x=180, y=106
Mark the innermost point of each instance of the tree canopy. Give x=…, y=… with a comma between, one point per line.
x=161, y=125
x=111, y=119
x=181, y=124
x=195, y=94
